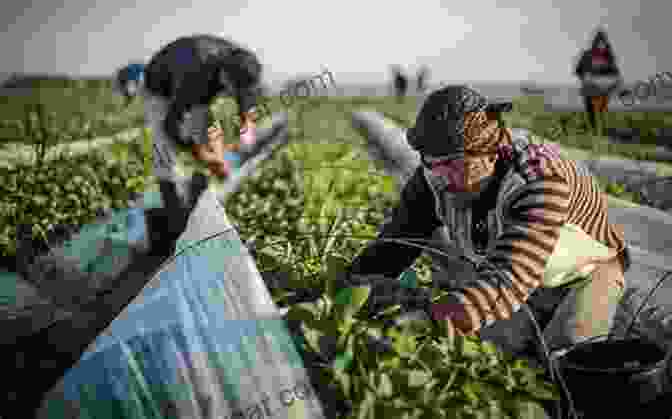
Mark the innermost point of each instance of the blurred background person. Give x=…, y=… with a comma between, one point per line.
x=400, y=82
x=178, y=86
x=600, y=77
x=423, y=76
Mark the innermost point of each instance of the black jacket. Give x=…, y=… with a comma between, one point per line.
x=585, y=67
x=186, y=71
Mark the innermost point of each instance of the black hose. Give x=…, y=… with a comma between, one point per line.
x=552, y=366
x=643, y=304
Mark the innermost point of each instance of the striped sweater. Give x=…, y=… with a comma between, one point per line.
x=524, y=228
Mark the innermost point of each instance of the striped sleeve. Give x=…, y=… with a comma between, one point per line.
x=515, y=267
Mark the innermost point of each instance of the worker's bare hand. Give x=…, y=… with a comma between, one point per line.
x=215, y=134
x=213, y=150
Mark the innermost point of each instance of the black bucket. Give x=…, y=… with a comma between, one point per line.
x=617, y=374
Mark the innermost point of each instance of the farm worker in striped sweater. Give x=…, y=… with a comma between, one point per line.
x=505, y=203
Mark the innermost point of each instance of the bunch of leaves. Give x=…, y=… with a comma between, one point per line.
x=68, y=190
x=270, y=203
x=410, y=370
x=307, y=202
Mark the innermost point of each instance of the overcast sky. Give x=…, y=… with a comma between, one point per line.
x=487, y=40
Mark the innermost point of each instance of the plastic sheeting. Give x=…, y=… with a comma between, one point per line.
x=202, y=340
x=60, y=280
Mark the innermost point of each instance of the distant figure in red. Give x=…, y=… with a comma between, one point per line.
x=599, y=75
x=400, y=82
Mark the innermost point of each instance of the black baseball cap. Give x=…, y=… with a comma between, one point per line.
x=439, y=127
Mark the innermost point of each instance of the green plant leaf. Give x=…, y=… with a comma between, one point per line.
x=312, y=337
x=405, y=345
x=367, y=405
x=468, y=347
x=389, y=361
x=418, y=378
x=344, y=360
x=543, y=391
x=304, y=312
x=385, y=385
x=525, y=409
x=409, y=279
x=349, y=301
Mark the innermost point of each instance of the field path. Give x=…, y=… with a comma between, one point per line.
x=13, y=153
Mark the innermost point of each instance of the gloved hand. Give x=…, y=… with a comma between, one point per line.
x=385, y=292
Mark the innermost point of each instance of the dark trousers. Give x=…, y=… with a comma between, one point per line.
x=595, y=105
x=179, y=199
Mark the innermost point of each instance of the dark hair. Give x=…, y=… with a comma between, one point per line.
x=244, y=68
x=499, y=107
x=601, y=36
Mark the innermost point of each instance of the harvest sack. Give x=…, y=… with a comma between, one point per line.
x=202, y=340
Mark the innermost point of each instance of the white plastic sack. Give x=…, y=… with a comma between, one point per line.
x=202, y=340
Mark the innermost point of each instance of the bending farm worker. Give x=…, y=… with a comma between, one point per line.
x=528, y=221
x=400, y=82
x=178, y=85
x=423, y=76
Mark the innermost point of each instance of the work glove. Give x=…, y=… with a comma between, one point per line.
x=385, y=292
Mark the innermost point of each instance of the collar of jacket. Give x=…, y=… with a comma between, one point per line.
x=458, y=221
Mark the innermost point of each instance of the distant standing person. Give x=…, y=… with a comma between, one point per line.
x=599, y=76
x=423, y=75
x=400, y=82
